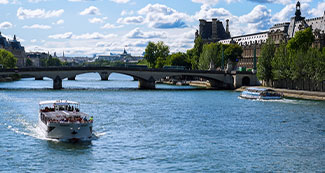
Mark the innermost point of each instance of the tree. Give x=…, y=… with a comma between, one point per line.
x=29, y=62
x=154, y=51
x=210, y=55
x=7, y=59
x=150, y=54
x=301, y=41
x=264, y=68
x=197, y=50
x=233, y=52
x=160, y=62
x=179, y=59
x=281, y=63
x=53, y=62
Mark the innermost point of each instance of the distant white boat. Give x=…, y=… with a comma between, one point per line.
x=261, y=94
x=62, y=120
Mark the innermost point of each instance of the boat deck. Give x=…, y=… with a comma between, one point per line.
x=58, y=114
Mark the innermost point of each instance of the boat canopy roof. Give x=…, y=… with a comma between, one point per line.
x=258, y=89
x=58, y=102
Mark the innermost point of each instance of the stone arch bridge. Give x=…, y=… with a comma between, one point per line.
x=147, y=77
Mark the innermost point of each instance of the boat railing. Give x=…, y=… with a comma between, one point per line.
x=64, y=119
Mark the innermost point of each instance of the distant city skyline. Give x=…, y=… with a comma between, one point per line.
x=87, y=27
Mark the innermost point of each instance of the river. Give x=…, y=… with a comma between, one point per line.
x=171, y=129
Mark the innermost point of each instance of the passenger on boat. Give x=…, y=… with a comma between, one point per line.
x=91, y=119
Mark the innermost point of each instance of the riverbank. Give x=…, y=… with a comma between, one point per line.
x=297, y=94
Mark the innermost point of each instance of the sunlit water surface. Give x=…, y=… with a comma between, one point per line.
x=171, y=129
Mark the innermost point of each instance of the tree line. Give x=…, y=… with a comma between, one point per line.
x=295, y=60
x=7, y=59
x=200, y=57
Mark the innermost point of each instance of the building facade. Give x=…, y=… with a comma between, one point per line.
x=15, y=48
x=124, y=57
x=282, y=32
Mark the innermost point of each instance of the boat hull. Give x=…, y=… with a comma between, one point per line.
x=67, y=131
x=258, y=97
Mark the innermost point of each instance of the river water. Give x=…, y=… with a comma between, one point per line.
x=171, y=129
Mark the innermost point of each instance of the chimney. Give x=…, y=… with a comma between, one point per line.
x=214, y=28
x=227, y=27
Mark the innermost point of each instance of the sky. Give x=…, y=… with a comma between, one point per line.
x=88, y=27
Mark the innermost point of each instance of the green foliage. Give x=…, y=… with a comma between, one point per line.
x=301, y=41
x=7, y=59
x=53, y=62
x=210, y=54
x=232, y=52
x=264, y=67
x=154, y=51
x=160, y=62
x=29, y=62
x=298, y=60
x=195, y=53
x=179, y=59
x=143, y=62
x=102, y=62
x=281, y=63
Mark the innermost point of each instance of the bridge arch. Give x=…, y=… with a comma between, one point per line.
x=215, y=83
x=246, y=81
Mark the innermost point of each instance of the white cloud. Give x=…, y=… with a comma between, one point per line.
x=94, y=35
x=131, y=20
x=212, y=2
x=5, y=25
x=4, y=1
x=33, y=41
x=111, y=26
x=36, y=1
x=59, y=22
x=120, y=1
x=287, y=12
x=96, y=20
x=319, y=11
x=207, y=12
x=125, y=12
x=69, y=35
x=66, y=35
x=137, y=33
x=284, y=14
x=91, y=10
x=284, y=2
x=38, y=13
x=37, y=26
x=259, y=13
x=161, y=16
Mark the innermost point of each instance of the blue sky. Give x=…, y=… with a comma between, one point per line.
x=87, y=27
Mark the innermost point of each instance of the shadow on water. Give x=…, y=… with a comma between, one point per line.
x=69, y=145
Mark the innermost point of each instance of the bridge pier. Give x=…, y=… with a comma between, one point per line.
x=38, y=78
x=57, y=83
x=72, y=78
x=104, y=75
x=147, y=84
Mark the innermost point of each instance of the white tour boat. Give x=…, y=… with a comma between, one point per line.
x=261, y=94
x=62, y=120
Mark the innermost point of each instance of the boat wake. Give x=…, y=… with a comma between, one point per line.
x=35, y=131
x=284, y=100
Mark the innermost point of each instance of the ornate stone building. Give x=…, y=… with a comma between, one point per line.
x=15, y=48
x=281, y=32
